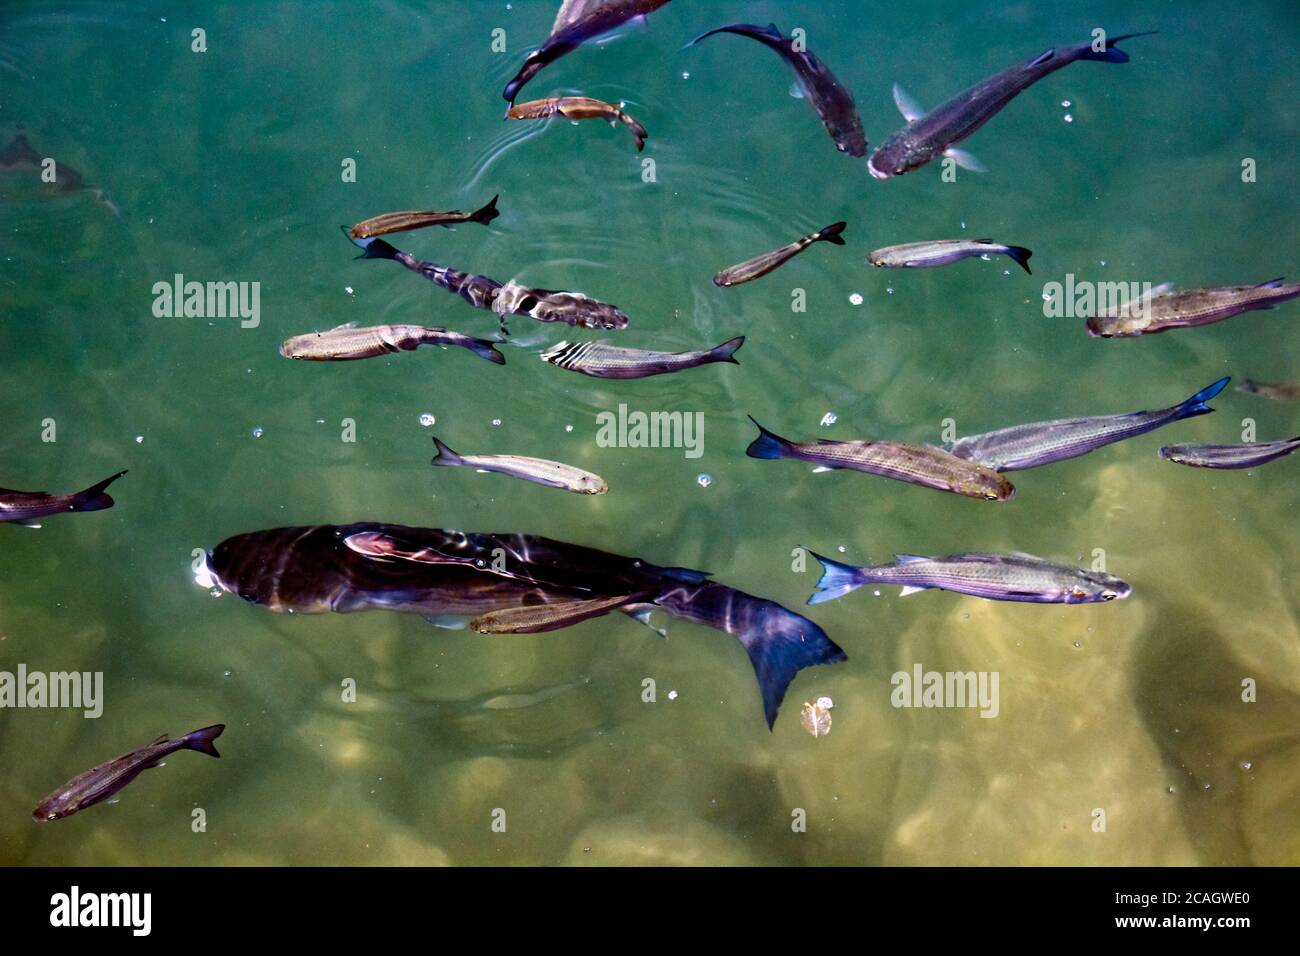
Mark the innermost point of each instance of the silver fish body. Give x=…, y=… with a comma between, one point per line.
x=996, y=577
x=541, y=471
x=941, y=252
x=1041, y=443
x=760, y=266
x=1246, y=455
x=26, y=506
x=1193, y=307
x=612, y=361
x=104, y=781
x=347, y=344
x=549, y=305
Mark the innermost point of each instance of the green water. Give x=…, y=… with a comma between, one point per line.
x=226, y=166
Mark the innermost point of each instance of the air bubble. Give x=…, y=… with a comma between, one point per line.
x=704, y=481
x=257, y=432
x=427, y=419
x=855, y=298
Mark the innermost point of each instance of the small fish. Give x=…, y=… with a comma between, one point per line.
x=402, y=221
x=540, y=470
x=577, y=22
x=578, y=108
x=925, y=255
x=1278, y=391
x=1174, y=310
x=816, y=717
x=826, y=94
x=760, y=266
x=929, y=135
x=25, y=167
x=98, y=784
x=612, y=361
x=1041, y=443
x=539, y=618
x=997, y=577
x=917, y=464
x=23, y=507
x=507, y=299
x=346, y=343
x=1247, y=455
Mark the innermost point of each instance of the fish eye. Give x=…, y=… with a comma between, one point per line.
x=1109, y=595
x=989, y=496
x=528, y=303
x=51, y=816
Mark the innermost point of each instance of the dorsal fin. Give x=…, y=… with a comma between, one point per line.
x=1042, y=58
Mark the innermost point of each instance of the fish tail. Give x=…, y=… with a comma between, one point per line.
x=201, y=740
x=1196, y=404
x=94, y=498
x=445, y=457
x=485, y=348
x=726, y=352
x=1110, y=54
x=754, y=32
x=836, y=581
x=767, y=445
x=831, y=234
x=487, y=213
x=779, y=642
x=372, y=248
x=1021, y=255
x=638, y=131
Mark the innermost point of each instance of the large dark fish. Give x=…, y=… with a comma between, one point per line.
x=98, y=784
x=578, y=108
x=760, y=266
x=929, y=135
x=577, y=22
x=24, y=507
x=495, y=580
x=22, y=164
x=1041, y=443
x=826, y=94
x=997, y=577
x=347, y=343
x=613, y=361
x=511, y=298
x=922, y=465
x=1246, y=455
x=402, y=221
x=1166, y=309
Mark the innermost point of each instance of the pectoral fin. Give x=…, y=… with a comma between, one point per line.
x=820, y=468
x=909, y=589
x=539, y=618
x=909, y=107
x=965, y=160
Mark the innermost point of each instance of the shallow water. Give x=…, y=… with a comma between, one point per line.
x=226, y=167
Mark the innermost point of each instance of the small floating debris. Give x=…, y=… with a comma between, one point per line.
x=830, y=418
x=816, y=718
x=704, y=481
x=855, y=298
x=427, y=420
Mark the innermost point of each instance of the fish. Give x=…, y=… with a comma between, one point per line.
x=922, y=465
x=929, y=135
x=579, y=108
x=577, y=22
x=1278, y=391
x=940, y=252
x=541, y=471
x=444, y=575
x=403, y=221
x=760, y=266
x=22, y=165
x=997, y=577
x=347, y=343
x=1041, y=443
x=612, y=361
x=505, y=299
x=100, y=783
x=1246, y=455
x=826, y=94
x=1166, y=309
x=24, y=507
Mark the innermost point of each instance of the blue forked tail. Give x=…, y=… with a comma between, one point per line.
x=767, y=445
x=1196, y=404
x=836, y=581
x=1111, y=54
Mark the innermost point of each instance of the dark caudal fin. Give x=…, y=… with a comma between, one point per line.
x=726, y=352
x=445, y=456
x=779, y=642
x=1110, y=54
x=1196, y=404
x=1021, y=255
x=831, y=234
x=837, y=580
x=767, y=445
x=372, y=248
x=487, y=349
x=769, y=34
x=94, y=498
x=487, y=213
x=201, y=740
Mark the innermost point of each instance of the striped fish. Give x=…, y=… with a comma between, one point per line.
x=611, y=361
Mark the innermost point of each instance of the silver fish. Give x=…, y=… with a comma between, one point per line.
x=997, y=577
x=940, y=252
x=99, y=783
x=1278, y=391
x=929, y=135
x=760, y=266
x=347, y=343
x=23, y=507
x=578, y=108
x=1173, y=310
x=542, y=471
x=1041, y=443
x=611, y=361
x=390, y=222
x=1246, y=455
